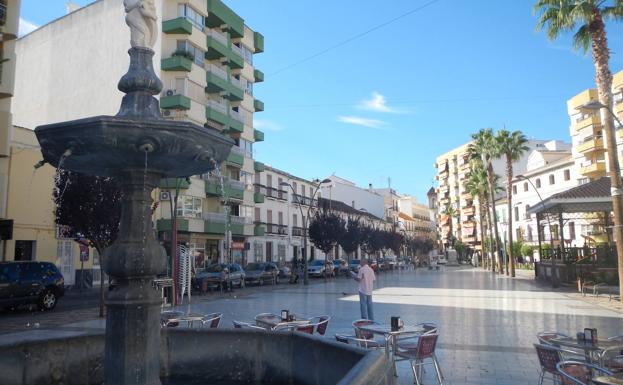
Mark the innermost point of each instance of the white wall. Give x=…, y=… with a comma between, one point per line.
x=70, y=68
x=344, y=191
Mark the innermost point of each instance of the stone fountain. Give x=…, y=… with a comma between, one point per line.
x=138, y=147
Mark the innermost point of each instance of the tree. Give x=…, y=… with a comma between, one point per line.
x=450, y=212
x=482, y=149
x=559, y=16
x=477, y=186
x=325, y=230
x=352, y=236
x=373, y=240
x=90, y=206
x=511, y=146
x=394, y=241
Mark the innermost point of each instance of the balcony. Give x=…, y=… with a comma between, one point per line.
x=177, y=26
x=258, y=198
x=165, y=224
x=583, y=98
x=177, y=102
x=258, y=105
x=297, y=231
x=271, y=192
x=234, y=60
x=302, y=200
x=258, y=42
x=233, y=189
x=236, y=122
x=468, y=211
x=216, y=49
x=235, y=94
x=258, y=75
x=219, y=14
x=443, y=174
x=235, y=159
x=593, y=120
x=590, y=145
x=237, y=50
x=258, y=136
x=272, y=228
x=236, y=83
x=217, y=112
x=216, y=84
x=176, y=63
x=259, y=230
x=617, y=81
x=259, y=166
x=174, y=183
x=593, y=169
x=215, y=223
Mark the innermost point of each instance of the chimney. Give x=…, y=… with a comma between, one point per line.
x=370, y=186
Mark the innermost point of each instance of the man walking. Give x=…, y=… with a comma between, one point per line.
x=365, y=277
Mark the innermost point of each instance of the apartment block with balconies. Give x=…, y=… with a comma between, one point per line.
x=586, y=129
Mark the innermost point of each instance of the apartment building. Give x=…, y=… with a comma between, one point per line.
x=414, y=218
x=278, y=216
x=589, y=148
x=9, y=20
x=343, y=190
x=70, y=67
x=453, y=169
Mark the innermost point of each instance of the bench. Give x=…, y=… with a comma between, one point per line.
x=601, y=288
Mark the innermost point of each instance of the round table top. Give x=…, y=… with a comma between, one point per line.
x=609, y=380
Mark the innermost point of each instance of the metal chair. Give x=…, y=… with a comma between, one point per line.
x=428, y=327
x=416, y=350
x=246, y=325
x=307, y=329
x=212, y=320
x=578, y=373
x=170, y=318
x=365, y=335
x=353, y=340
x=545, y=338
x=549, y=357
x=320, y=324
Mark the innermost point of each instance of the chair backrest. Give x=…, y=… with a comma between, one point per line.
x=214, y=319
x=577, y=372
x=426, y=345
x=549, y=356
x=323, y=323
x=429, y=327
x=361, y=333
x=360, y=342
x=615, y=338
x=169, y=318
x=309, y=329
x=246, y=325
x=546, y=337
x=341, y=338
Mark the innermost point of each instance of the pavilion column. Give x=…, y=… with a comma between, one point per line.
x=606, y=225
x=561, y=234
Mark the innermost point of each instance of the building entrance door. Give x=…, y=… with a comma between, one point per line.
x=269, y=251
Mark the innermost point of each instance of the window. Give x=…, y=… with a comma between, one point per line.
x=280, y=218
x=572, y=230
x=281, y=253
x=516, y=209
x=189, y=207
x=248, y=54
x=514, y=189
x=526, y=215
x=538, y=183
x=196, y=19
x=552, y=180
x=525, y=186
x=294, y=220
x=258, y=251
x=24, y=250
x=184, y=48
x=247, y=147
x=529, y=233
x=248, y=87
x=258, y=217
x=567, y=175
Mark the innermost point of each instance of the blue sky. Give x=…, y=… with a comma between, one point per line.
x=386, y=104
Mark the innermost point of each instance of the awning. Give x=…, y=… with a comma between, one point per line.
x=590, y=197
x=468, y=229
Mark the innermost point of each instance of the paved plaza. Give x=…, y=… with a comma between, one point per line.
x=487, y=322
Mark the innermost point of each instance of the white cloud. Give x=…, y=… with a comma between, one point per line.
x=377, y=103
x=25, y=27
x=267, y=125
x=359, y=121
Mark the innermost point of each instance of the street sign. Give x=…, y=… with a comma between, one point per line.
x=84, y=252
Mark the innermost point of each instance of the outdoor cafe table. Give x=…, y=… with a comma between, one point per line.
x=592, y=350
x=173, y=316
x=271, y=321
x=390, y=335
x=616, y=379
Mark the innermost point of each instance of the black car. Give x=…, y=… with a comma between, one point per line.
x=220, y=275
x=24, y=283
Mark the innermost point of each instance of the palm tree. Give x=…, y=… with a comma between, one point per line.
x=476, y=185
x=451, y=213
x=510, y=146
x=483, y=148
x=558, y=16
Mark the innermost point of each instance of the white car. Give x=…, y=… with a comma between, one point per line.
x=316, y=268
x=441, y=259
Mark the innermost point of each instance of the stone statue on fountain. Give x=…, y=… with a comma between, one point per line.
x=141, y=18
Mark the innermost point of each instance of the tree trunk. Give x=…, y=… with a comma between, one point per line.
x=482, y=231
x=509, y=194
x=603, y=79
x=491, y=255
x=494, y=217
x=100, y=251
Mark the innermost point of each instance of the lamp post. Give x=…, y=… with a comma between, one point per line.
x=305, y=220
x=549, y=224
x=616, y=190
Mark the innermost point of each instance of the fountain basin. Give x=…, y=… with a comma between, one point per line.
x=106, y=145
x=201, y=357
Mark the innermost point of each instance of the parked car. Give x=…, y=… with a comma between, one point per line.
x=262, y=272
x=441, y=259
x=285, y=272
x=318, y=268
x=22, y=283
x=354, y=265
x=236, y=274
x=215, y=275
x=392, y=261
x=340, y=267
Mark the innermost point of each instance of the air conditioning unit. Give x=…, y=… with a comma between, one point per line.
x=166, y=112
x=165, y=195
x=170, y=92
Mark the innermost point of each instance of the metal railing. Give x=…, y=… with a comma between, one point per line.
x=236, y=115
x=215, y=217
x=236, y=82
x=217, y=106
x=221, y=38
x=237, y=50
x=240, y=220
x=218, y=71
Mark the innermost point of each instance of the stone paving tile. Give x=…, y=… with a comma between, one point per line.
x=487, y=322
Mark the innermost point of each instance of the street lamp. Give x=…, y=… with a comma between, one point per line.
x=305, y=220
x=549, y=224
x=615, y=177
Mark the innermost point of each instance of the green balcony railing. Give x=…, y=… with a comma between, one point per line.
x=216, y=49
x=176, y=63
x=235, y=94
x=235, y=61
x=258, y=105
x=259, y=230
x=259, y=166
x=216, y=83
x=165, y=224
x=258, y=75
x=217, y=116
x=236, y=229
x=236, y=126
x=212, y=227
x=258, y=198
x=177, y=26
x=235, y=159
x=173, y=183
x=219, y=14
x=178, y=102
x=258, y=136
x=258, y=42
